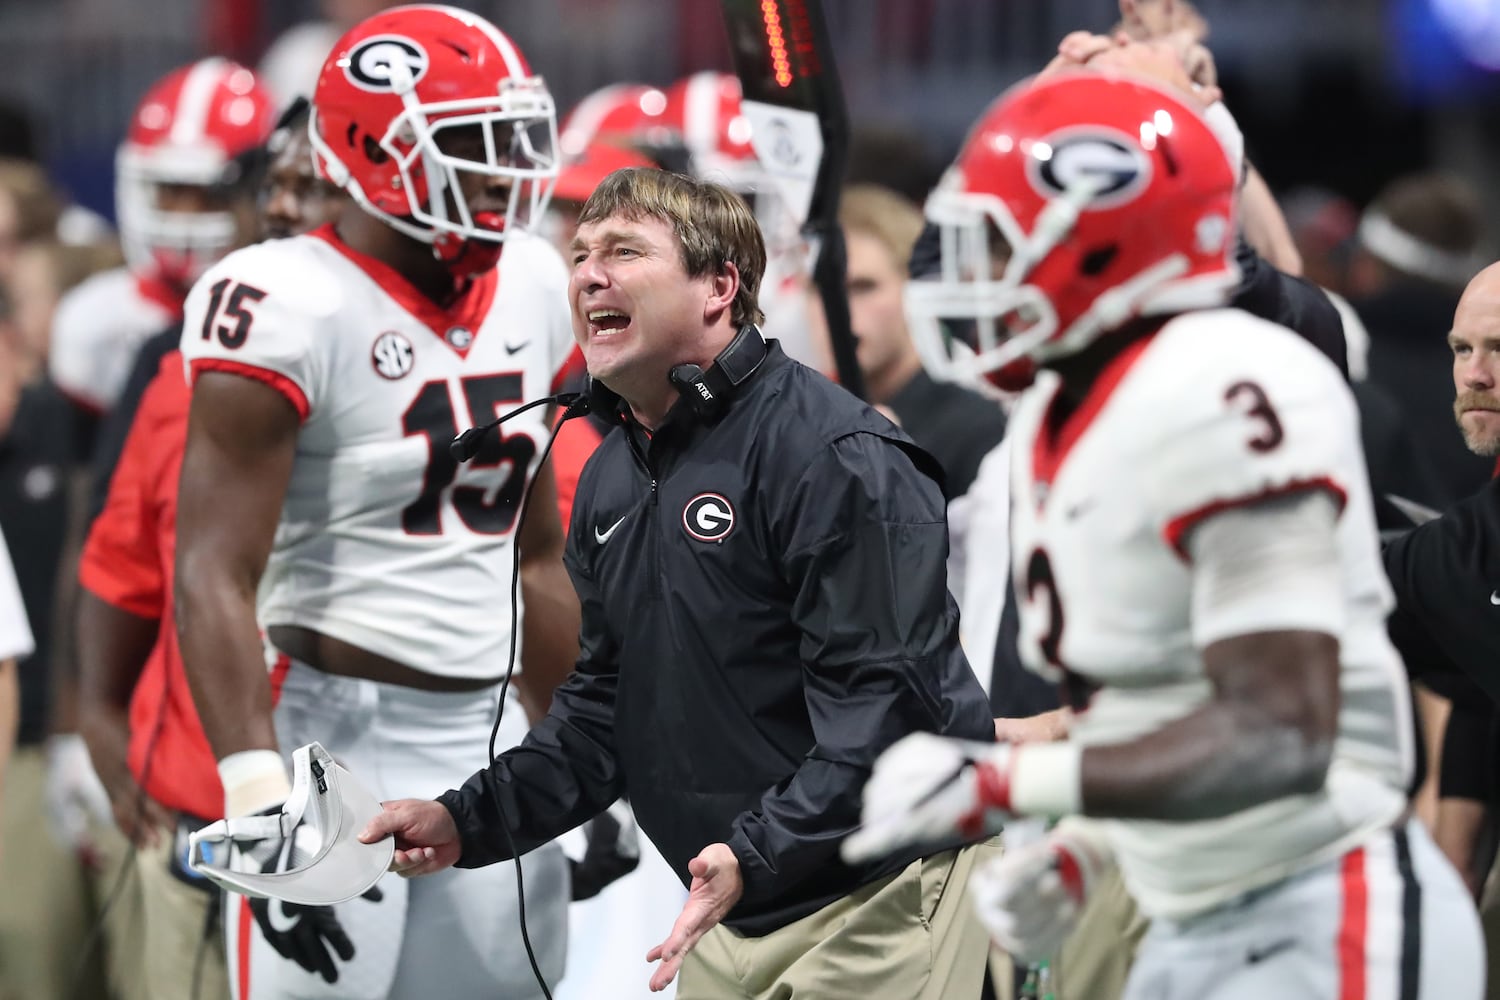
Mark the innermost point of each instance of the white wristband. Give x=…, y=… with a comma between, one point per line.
x=1046, y=779
x=254, y=780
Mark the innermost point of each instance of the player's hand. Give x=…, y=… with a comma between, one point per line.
x=426, y=836
x=141, y=818
x=1142, y=20
x=1076, y=50
x=928, y=789
x=309, y=935
x=613, y=851
x=1030, y=898
x=1048, y=727
x=717, y=886
x=76, y=801
x=1162, y=60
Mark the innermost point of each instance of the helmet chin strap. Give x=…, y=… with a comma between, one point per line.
x=465, y=256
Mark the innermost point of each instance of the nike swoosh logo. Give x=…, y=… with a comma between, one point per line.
x=1256, y=955
x=1495, y=597
x=519, y=347
x=278, y=918
x=603, y=536
x=1079, y=509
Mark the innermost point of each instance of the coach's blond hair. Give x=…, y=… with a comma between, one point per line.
x=713, y=225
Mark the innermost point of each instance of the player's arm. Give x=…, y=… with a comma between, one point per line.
x=1267, y=607
x=242, y=437
x=113, y=645
x=549, y=627
x=121, y=600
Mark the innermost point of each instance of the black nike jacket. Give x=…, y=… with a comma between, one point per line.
x=765, y=610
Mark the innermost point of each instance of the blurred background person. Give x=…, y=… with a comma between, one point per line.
x=171, y=180
x=955, y=424
x=1417, y=245
x=289, y=68
x=56, y=885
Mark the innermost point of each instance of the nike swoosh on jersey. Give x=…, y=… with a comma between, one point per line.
x=603, y=536
x=1495, y=597
x=1254, y=956
x=519, y=347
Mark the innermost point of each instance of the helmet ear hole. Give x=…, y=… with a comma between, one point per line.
x=373, y=152
x=1097, y=260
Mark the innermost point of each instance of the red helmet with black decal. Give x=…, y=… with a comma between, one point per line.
x=393, y=99
x=1076, y=205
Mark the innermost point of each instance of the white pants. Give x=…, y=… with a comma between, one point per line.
x=1388, y=921
x=610, y=934
x=453, y=934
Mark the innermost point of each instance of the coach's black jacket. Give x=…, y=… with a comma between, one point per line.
x=764, y=612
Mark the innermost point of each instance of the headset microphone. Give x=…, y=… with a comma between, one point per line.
x=467, y=444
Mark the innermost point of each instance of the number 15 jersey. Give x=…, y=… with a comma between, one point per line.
x=385, y=541
x=1218, y=410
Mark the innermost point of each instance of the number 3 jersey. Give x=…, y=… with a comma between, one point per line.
x=1217, y=411
x=385, y=541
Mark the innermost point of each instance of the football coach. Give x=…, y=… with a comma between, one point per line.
x=759, y=557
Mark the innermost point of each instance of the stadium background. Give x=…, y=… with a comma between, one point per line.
x=1341, y=94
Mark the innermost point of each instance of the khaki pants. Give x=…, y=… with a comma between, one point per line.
x=913, y=936
x=1489, y=920
x=1096, y=959
x=49, y=903
x=179, y=940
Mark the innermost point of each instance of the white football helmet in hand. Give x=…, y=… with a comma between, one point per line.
x=930, y=789
x=1030, y=898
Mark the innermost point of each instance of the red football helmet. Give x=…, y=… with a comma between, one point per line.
x=704, y=109
x=704, y=112
x=623, y=114
x=179, y=155
x=413, y=97
x=1076, y=204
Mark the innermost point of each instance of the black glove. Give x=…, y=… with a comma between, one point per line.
x=613, y=851
x=303, y=934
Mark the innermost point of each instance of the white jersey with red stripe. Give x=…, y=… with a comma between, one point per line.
x=1218, y=410
x=385, y=541
x=98, y=329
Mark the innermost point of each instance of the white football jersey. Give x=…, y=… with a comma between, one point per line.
x=1218, y=410
x=385, y=541
x=97, y=331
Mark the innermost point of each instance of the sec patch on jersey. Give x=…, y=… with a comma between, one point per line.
x=393, y=357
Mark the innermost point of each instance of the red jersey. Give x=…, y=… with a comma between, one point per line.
x=127, y=562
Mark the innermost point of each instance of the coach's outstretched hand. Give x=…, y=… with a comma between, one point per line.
x=426, y=836
x=717, y=886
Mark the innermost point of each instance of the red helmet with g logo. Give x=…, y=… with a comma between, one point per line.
x=415, y=97
x=1076, y=205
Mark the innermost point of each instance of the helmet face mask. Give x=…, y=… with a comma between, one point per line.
x=427, y=116
x=1076, y=206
